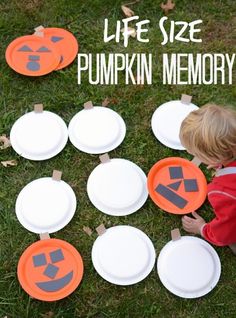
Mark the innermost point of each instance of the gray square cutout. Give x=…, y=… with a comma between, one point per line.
x=51, y=271
x=56, y=256
x=176, y=172
x=39, y=260
x=190, y=185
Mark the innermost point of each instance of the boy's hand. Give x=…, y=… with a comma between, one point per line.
x=193, y=225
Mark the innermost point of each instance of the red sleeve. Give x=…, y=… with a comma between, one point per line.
x=222, y=229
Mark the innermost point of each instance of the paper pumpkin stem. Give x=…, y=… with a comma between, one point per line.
x=175, y=235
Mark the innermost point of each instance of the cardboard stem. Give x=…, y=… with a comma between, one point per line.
x=39, y=31
x=44, y=236
x=196, y=161
x=104, y=158
x=40, y=34
x=101, y=229
x=175, y=234
x=186, y=99
x=56, y=175
x=39, y=28
x=38, y=108
x=88, y=105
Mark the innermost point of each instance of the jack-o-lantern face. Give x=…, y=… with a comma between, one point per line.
x=32, y=55
x=176, y=185
x=50, y=269
x=65, y=42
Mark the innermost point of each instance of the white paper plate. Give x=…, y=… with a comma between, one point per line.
x=96, y=130
x=39, y=136
x=123, y=255
x=166, y=122
x=45, y=205
x=117, y=187
x=189, y=267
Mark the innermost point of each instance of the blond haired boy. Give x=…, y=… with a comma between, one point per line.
x=209, y=133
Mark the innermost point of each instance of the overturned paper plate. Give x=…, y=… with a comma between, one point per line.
x=65, y=42
x=50, y=269
x=123, y=255
x=97, y=130
x=39, y=135
x=45, y=205
x=177, y=185
x=166, y=122
x=117, y=187
x=189, y=267
x=32, y=55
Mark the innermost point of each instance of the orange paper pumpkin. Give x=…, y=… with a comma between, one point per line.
x=177, y=185
x=65, y=42
x=32, y=55
x=50, y=269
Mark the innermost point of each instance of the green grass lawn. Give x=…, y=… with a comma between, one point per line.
x=60, y=93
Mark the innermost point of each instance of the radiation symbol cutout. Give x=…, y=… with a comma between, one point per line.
x=32, y=55
x=177, y=186
x=50, y=269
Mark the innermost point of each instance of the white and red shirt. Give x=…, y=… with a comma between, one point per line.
x=221, y=230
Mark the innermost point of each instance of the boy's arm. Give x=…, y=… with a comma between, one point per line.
x=221, y=230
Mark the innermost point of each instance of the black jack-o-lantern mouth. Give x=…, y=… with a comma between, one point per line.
x=55, y=285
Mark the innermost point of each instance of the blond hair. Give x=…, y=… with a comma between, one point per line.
x=210, y=133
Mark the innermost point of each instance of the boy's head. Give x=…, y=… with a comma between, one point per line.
x=209, y=133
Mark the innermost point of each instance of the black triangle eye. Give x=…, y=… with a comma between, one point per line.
x=56, y=38
x=25, y=48
x=43, y=49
